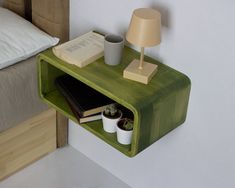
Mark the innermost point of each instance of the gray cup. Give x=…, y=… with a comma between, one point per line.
x=113, y=47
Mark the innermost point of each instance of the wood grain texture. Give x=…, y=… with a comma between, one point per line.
x=17, y=6
x=61, y=130
x=27, y=142
x=158, y=107
x=52, y=17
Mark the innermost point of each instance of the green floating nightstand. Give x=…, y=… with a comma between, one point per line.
x=158, y=107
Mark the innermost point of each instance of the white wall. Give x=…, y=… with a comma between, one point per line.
x=199, y=40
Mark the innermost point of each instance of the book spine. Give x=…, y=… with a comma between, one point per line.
x=76, y=114
x=70, y=99
x=81, y=119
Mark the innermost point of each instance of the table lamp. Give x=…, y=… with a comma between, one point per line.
x=144, y=31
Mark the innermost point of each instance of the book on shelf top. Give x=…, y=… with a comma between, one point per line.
x=82, y=50
x=85, y=100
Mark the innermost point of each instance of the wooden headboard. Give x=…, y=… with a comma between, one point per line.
x=17, y=6
x=52, y=16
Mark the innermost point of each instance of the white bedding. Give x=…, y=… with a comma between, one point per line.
x=19, y=39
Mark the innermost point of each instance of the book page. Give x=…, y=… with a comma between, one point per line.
x=81, y=49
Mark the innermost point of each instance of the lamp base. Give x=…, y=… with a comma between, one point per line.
x=143, y=75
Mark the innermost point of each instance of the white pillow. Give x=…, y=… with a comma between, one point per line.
x=19, y=39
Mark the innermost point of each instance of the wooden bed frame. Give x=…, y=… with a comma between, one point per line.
x=43, y=133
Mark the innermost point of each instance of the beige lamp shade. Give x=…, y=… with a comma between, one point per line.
x=145, y=28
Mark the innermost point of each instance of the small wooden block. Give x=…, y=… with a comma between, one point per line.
x=144, y=75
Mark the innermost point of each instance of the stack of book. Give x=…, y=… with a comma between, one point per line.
x=85, y=102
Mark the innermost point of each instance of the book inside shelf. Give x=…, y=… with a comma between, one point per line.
x=58, y=101
x=82, y=99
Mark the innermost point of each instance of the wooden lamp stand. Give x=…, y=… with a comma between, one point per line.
x=139, y=70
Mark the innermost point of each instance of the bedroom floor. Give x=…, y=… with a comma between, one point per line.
x=63, y=168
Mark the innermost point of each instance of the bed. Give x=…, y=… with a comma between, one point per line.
x=28, y=128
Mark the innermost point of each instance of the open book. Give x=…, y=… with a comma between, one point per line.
x=82, y=50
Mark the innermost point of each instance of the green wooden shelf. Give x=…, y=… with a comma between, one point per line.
x=158, y=107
